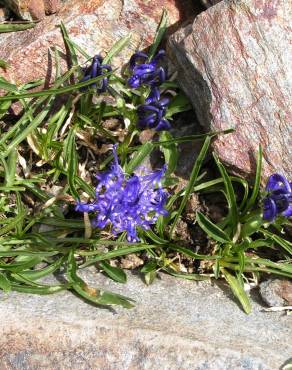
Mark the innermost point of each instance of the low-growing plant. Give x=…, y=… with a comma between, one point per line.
x=52, y=151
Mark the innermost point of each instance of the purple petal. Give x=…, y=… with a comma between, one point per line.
x=134, y=57
x=270, y=209
x=288, y=212
x=163, y=125
x=153, y=96
x=159, y=55
x=134, y=81
x=143, y=69
x=277, y=182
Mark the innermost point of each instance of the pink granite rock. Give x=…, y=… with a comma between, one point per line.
x=33, y=9
x=234, y=63
x=95, y=25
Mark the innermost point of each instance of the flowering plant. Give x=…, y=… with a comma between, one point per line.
x=127, y=202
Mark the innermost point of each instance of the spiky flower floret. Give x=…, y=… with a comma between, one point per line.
x=127, y=202
x=96, y=69
x=146, y=73
x=151, y=114
x=279, y=198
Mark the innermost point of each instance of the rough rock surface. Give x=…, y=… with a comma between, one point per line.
x=277, y=292
x=33, y=9
x=176, y=324
x=234, y=63
x=208, y=3
x=95, y=25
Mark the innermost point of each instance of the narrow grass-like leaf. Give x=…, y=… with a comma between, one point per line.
x=115, y=273
x=286, y=244
x=256, y=187
x=5, y=284
x=179, y=104
x=93, y=295
x=237, y=289
x=11, y=168
x=212, y=230
x=27, y=130
x=11, y=223
x=116, y=253
x=231, y=199
x=14, y=27
x=117, y=48
x=20, y=266
x=54, y=91
x=71, y=158
x=40, y=273
x=196, y=277
x=161, y=29
x=4, y=106
x=170, y=152
x=3, y=64
x=38, y=289
x=139, y=157
x=69, y=46
x=193, y=179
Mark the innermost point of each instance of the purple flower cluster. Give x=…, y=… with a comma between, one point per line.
x=127, y=202
x=96, y=69
x=146, y=73
x=279, y=198
x=151, y=113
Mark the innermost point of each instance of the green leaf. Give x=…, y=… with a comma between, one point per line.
x=193, y=179
x=161, y=29
x=11, y=168
x=115, y=273
x=70, y=156
x=180, y=103
x=3, y=64
x=149, y=277
x=149, y=266
x=139, y=157
x=37, y=274
x=14, y=27
x=256, y=187
x=212, y=230
x=230, y=195
x=252, y=225
x=116, y=253
x=117, y=48
x=54, y=91
x=5, y=284
x=237, y=289
x=285, y=244
x=4, y=106
x=11, y=223
x=38, y=289
x=69, y=46
x=196, y=277
x=93, y=295
x=169, y=151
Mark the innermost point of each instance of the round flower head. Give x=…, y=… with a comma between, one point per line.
x=125, y=202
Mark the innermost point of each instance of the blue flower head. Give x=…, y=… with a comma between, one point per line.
x=279, y=198
x=96, y=69
x=146, y=73
x=127, y=202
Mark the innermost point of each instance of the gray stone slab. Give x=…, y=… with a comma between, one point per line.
x=176, y=324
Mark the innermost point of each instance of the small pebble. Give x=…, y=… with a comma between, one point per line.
x=276, y=292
